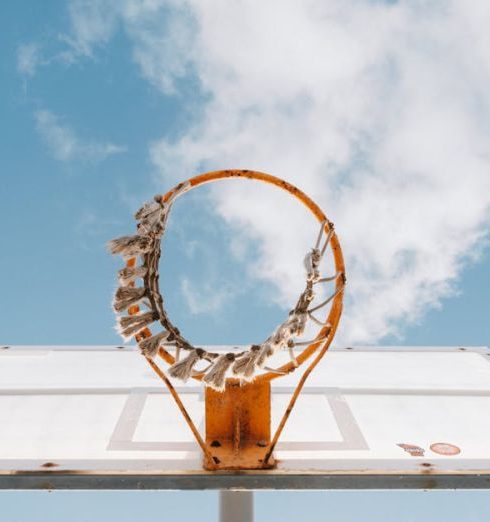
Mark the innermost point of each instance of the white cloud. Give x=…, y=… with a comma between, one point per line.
x=204, y=298
x=65, y=145
x=28, y=58
x=92, y=24
x=380, y=112
x=160, y=32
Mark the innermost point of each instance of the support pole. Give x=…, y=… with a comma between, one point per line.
x=236, y=506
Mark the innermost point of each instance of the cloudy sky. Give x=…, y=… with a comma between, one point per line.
x=380, y=111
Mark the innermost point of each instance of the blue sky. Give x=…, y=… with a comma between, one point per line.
x=380, y=112
x=318, y=506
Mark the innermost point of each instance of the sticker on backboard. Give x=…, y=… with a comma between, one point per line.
x=444, y=448
x=415, y=451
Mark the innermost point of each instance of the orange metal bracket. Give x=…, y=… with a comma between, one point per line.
x=238, y=425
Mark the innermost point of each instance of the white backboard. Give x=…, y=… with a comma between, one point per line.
x=95, y=417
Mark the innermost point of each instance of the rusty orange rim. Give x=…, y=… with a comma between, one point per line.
x=335, y=311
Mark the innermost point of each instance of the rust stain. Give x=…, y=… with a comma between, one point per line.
x=427, y=468
x=49, y=465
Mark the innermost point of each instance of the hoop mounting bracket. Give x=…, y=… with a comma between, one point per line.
x=238, y=425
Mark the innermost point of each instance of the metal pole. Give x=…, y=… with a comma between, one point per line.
x=236, y=506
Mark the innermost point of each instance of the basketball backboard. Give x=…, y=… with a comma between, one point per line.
x=96, y=417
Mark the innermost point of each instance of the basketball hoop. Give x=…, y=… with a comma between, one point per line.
x=237, y=395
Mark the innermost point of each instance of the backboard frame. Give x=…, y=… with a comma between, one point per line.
x=407, y=473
